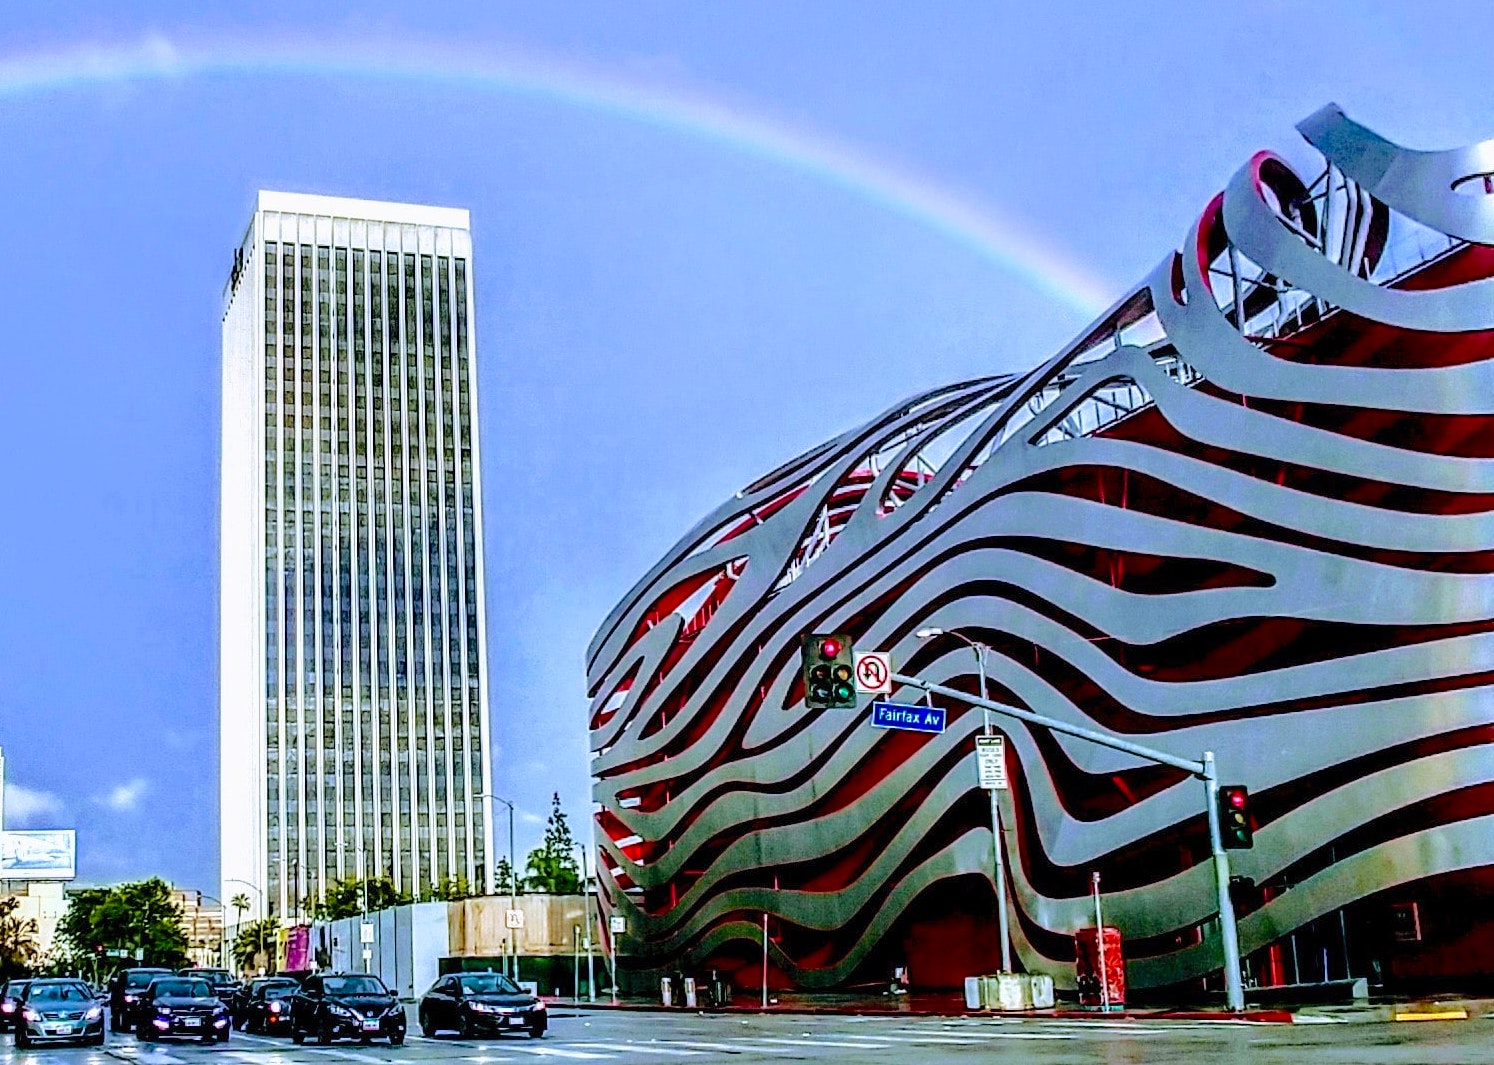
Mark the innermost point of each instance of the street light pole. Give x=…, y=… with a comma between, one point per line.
x=1002, y=928
x=513, y=874
x=591, y=981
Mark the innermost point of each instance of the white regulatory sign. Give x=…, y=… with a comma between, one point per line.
x=990, y=760
x=874, y=672
x=366, y=932
x=618, y=925
x=513, y=918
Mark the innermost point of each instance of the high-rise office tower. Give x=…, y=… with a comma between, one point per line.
x=354, y=686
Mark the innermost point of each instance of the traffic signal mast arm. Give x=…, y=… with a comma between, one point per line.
x=1188, y=766
x=1229, y=936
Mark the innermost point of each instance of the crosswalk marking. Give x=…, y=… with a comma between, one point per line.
x=947, y=1040
x=650, y=1047
x=557, y=1052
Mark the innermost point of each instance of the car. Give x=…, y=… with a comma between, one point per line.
x=10, y=1002
x=181, y=1006
x=269, y=1009
x=484, y=1003
x=330, y=1006
x=245, y=994
x=224, y=985
x=58, y=1011
x=125, y=989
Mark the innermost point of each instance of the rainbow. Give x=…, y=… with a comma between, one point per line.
x=994, y=238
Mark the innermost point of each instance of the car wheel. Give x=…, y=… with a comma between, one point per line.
x=95, y=1040
x=323, y=1035
x=536, y=1033
x=427, y=1029
x=397, y=1039
x=297, y=1036
x=144, y=1034
x=23, y=1041
x=466, y=1028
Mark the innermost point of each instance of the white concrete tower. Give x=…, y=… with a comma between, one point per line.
x=354, y=707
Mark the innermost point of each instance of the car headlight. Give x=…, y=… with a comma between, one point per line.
x=164, y=1011
x=276, y=1007
x=31, y=1014
x=7, y=1007
x=93, y=1014
x=537, y=1007
x=131, y=999
x=339, y=1011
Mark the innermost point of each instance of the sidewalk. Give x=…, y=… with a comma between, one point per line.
x=952, y=1004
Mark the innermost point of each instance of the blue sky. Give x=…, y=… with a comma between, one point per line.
x=678, y=208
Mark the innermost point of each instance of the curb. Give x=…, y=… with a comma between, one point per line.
x=1277, y=1016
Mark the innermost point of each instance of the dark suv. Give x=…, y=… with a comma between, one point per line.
x=346, y=1005
x=481, y=1003
x=10, y=1002
x=224, y=985
x=125, y=989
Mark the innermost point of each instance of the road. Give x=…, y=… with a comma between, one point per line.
x=628, y=1038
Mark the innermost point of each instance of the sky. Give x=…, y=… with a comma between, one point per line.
x=707, y=236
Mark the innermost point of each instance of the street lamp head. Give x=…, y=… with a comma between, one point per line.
x=929, y=633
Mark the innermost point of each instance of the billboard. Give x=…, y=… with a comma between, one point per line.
x=50, y=855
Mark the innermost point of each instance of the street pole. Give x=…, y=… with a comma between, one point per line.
x=591, y=980
x=513, y=878
x=1234, y=990
x=1229, y=935
x=765, y=961
x=999, y=863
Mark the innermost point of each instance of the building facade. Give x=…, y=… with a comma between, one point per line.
x=202, y=925
x=354, y=687
x=1249, y=510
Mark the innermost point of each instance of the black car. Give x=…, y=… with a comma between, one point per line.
x=10, y=1002
x=481, y=1003
x=330, y=1006
x=181, y=1006
x=58, y=1011
x=245, y=994
x=125, y=989
x=269, y=1009
x=224, y=985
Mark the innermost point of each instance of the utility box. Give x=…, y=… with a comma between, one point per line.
x=1100, y=968
x=1042, y=992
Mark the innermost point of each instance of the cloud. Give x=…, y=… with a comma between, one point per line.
x=530, y=819
x=125, y=798
x=27, y=807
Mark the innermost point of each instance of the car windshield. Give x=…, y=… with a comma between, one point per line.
x=143, y=978
x=58, y=993
x=489, y=984
x=212, y=976
x=15, y=987
x=353, y=985
x=278, y=991
x=182, y=989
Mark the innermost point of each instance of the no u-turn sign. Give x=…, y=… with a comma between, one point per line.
x=873, y=672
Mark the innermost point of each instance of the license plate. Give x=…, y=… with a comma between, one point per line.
x=370, y=1026
x=193, y=1022
x=59, y=1029
x=516, y=1022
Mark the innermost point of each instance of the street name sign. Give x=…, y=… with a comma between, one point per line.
x=907, y=718
x=874, y=672
x=990, y=761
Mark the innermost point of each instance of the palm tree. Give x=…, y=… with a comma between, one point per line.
x=18, y=946
x=256, y=938
x=240, y=903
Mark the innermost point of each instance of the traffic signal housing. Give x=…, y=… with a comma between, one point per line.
x=1234, y=817
x=829, y=672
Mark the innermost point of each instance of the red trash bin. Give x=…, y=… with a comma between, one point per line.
x=1101, y=986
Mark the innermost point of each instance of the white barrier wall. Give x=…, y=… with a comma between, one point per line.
x=408, y=945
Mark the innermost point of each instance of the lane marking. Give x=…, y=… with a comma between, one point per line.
x=822, y=1043
x=557, y=1052
x=947, y=1040
x=730, y=1048
x=651, y=1047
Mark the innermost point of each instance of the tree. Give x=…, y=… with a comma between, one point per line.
x=138, y=917
x=18, y=947
x=448, y=889
x=255, y=940
x=350, y=897
x=503, y=878
x=552, y=865
x=240, y=903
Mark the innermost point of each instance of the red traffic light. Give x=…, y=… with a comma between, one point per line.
x=1237, y=799
x=830, y=647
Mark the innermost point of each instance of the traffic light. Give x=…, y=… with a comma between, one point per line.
x=1234, y=817
x=829, y=673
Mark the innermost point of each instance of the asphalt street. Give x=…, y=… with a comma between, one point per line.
x=634, y=1038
